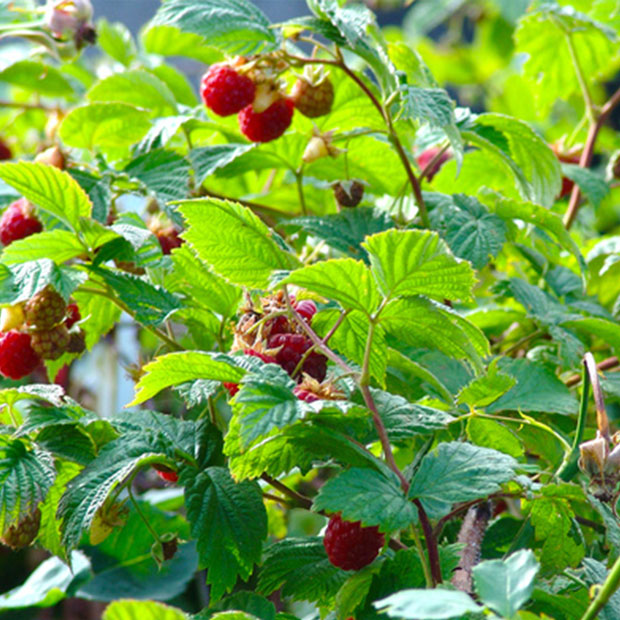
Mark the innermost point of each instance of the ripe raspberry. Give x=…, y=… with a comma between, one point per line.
x=349, y=545
x=23, y=533
x=233, y=388
x=291, y=348
x=348, y=194
x=18, y=221
x=306, y=308
x=304, y=394
x=268, y=125
x=169, y=239
x=5, y=151
x=73, y=315
x=427, y=156
x=45, y=309
x=313, y=100
x=51, y=344
x=17, y=357
x=165, y=473
x=226, y=92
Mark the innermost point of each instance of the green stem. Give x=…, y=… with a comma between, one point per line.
x=604, y=594
x=423, y=559
x=569, y=467
x=431, y=543
x=149, y=527
x=587, y=97
x=299, y=180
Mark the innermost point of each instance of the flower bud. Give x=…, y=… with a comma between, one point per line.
x=70, y=19
x=593, y=457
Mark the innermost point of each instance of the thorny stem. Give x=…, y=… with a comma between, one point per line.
x=604, y=594
x=298, y=498
x=586, y=155
x=335, y=326
x=431, y=543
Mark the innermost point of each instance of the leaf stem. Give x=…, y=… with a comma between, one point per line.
x=604, y=594
x=298, y=498
x=587, y=97
x=423, y=559
x=431, y=543
x=299, y=181
x=149, y=527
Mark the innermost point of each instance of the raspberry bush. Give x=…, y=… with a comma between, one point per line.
x=362, y=285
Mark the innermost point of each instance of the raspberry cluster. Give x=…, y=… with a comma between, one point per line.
x=349, y=545
x=252, y=91
x=267, y=332
x=41, y=329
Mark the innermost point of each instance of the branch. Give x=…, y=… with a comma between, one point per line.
x=431, y=543
x=605, y=592
x=607, y=364
x=301, y=500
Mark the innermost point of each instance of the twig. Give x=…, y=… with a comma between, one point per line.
x=606, y=364
x=431, y=543
x=604, y=594
x=298, y=498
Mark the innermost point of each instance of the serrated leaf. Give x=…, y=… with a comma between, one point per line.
x=234, y=26
x=492, y=434
x=299, y=566
x=116, y=41
x=98, y=190
x=57, y=245
x=459, y=472
x=592, y=186
x=176, y=368
x=428, y=604
x=416, y=262
x=366, y=495
x=50, y=189
x=137, y=88
x=25, y=478
x=347, y=281
x=596, y=574
x=207, y=159
x=229, y=522
x=249, y=602
x=145, y=610
x=43, y=79
x=99, y=316
x=483, y=391
x=104, y=126
x=234, y=241
x=506, y=585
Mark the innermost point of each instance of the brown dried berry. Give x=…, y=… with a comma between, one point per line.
x=45, y=309
x=22, y=533
x=348, y=193
x=77, y=342
x=313, y=100
x=52, y=343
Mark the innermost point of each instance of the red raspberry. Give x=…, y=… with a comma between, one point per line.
x=268, y=125
x=169, y=239
x=45, y=309
x=5, y=151
x=226, y=92
x=349, y=545
x=23, y=533
x=427, y=156
x=306, y=308
x=233, y=388
x=167, y=474
x=52, y=343
x=313, y=100
x=73, y=315
x=291, y=349
x=18, y=221
x=17, y=357
x=306, y=395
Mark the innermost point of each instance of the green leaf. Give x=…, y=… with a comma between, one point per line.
x=170, y=41
x=98, y=190
x=25, y=478
x=483, y=391
x=431, y=105
x=229, y=522
x=136, y=88
x=596, y=574
x=533, y=164
x=249, y=602
x=506, y=585
x=164, y=172
x=58, y=245
x=428, y=604
x=35, y=76
x=345, y=231
x=299, y=566
x=459, y=472
x=233, y=26
x=234, y=241
x=116, y=41
x=368, y=496
x=48, y=188
x=207, y=159
x=161, y=132
x=593, y=186
x=150, y=304
x=145, y=610
x=492, y=434
x=469, y=229
x=175, y=368
x=48, y=583
x=104, y=126
x=347, y=281
x=416, y=262
x=100, y=316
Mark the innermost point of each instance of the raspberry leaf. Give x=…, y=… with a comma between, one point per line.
x=207, y=159
x=48, y=188
x=229, y=522
x=368, y=496
x=57, y=245
x=145, y=610
x=175, y=368
x=418, y=262
x=234, y=241
x=438, y=603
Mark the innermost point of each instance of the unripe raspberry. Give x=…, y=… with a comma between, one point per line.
x=17, y=357
x=22, y=534
x=349, y=545
x=349, y=193
x=306, y=308
x=45, y=309
x=268, y=125
x=225, y=91
x=51, y=344
x=313, y=100
x=18, y=222
x=12, y=317
x=427, y=156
